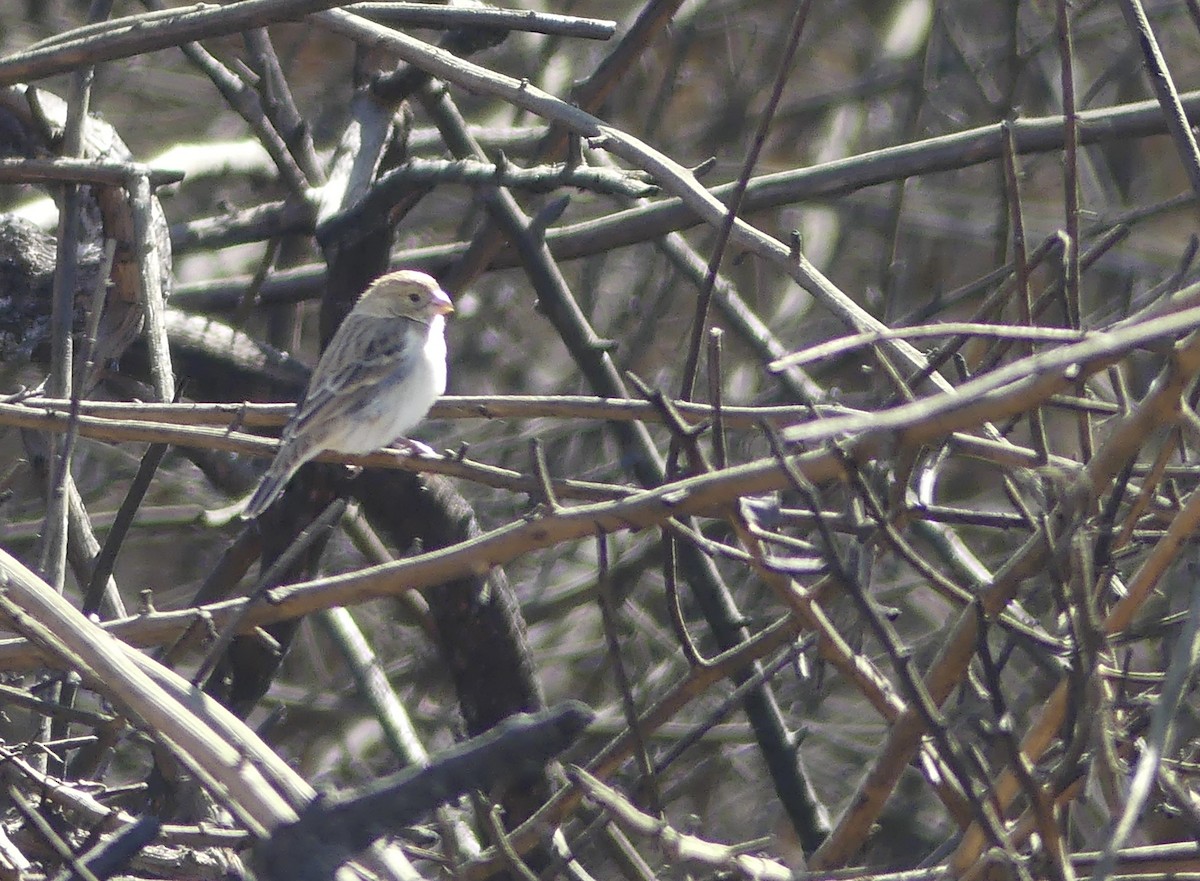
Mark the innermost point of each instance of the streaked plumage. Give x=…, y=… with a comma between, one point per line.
x=378, y=377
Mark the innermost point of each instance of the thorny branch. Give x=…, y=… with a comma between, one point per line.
x=953, y=543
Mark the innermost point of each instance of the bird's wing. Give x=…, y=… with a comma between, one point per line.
x=361, y=354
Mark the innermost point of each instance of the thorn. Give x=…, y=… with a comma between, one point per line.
x=546, y=215
x=574, y=151
x=549, y=499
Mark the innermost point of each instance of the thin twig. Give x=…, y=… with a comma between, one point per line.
x=608, y=615
x=315, y=531
x=700, y=319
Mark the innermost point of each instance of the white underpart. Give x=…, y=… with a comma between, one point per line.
x=393, y=410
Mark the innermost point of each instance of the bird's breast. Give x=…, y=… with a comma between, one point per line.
x=394, y=406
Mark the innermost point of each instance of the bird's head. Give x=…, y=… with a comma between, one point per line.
x=404, y=294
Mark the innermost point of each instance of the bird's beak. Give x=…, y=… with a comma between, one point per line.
x=441, y=302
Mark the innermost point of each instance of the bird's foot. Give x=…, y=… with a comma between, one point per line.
x=413, y=447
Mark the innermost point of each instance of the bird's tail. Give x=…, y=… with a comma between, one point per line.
x=287, y=462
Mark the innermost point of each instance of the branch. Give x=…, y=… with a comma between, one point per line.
x=333, y=828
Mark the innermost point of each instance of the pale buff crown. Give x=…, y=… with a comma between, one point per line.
x=404, y=294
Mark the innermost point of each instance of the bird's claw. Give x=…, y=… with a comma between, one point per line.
x=414, y=447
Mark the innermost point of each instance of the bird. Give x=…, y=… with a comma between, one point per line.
x=377, y=379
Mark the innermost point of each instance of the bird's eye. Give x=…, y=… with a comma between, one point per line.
x=414, y=298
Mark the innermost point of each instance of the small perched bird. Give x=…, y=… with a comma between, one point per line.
x=378, y=377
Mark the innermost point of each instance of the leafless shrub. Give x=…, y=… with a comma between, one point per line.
x=822, y=416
